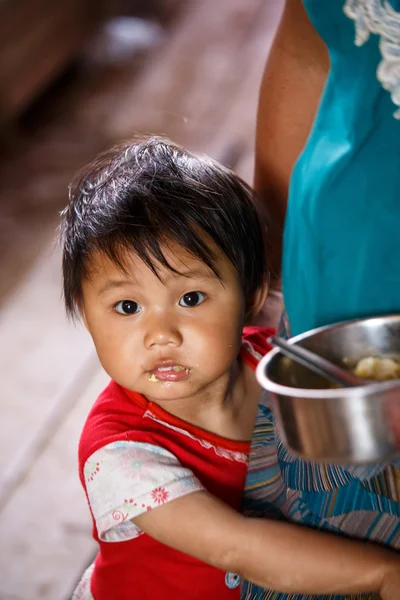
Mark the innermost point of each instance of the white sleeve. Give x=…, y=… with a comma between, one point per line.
x=125, y=479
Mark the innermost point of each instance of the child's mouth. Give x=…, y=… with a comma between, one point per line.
x=171, y=373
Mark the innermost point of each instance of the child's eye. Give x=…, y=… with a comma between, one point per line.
x=127, y=307
x=192, y=299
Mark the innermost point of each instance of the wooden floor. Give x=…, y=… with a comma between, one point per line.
x=200, y=88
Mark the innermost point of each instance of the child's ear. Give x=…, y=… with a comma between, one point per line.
x=257, y=303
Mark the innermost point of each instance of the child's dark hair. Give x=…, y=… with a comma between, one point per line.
x=138, y=196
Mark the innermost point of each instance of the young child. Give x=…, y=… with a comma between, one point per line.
x=164, y=260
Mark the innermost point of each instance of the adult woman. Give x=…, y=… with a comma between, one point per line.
x=341, y=242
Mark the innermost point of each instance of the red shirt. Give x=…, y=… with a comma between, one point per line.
x=141, y=567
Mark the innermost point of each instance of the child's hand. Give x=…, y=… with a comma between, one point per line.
x=390, y=589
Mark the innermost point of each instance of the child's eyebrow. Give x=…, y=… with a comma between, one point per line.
x=114, y=284
x=194, y=274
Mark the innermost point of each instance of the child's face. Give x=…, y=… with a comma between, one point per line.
x=167, y=339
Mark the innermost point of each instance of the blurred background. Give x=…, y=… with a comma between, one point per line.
x=76, y=77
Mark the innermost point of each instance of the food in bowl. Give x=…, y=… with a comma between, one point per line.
x=378, y=368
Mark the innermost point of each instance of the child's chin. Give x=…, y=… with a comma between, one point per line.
x=167, y=390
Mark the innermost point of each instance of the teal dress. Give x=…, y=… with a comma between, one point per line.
x=341, y=260
x=341, y=257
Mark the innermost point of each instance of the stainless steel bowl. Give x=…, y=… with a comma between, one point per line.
x=336, y=425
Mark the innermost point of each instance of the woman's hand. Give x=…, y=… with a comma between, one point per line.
x=393, y=414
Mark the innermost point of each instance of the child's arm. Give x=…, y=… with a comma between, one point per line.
x=274, y=555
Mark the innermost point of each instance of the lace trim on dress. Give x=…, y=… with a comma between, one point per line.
x=379, y=17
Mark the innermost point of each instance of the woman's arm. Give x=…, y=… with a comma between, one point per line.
x=293, y=80
x=274, y=555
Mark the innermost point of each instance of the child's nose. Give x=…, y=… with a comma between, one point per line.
x=162, y=332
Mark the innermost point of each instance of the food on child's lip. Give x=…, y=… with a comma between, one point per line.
x=169, y=373
x=378, y=368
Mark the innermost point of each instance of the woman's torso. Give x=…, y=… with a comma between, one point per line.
x=341, y=243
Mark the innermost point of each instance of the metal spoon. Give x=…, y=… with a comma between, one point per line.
x=316, y=363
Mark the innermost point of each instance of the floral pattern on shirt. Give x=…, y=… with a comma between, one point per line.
x=125, y=479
